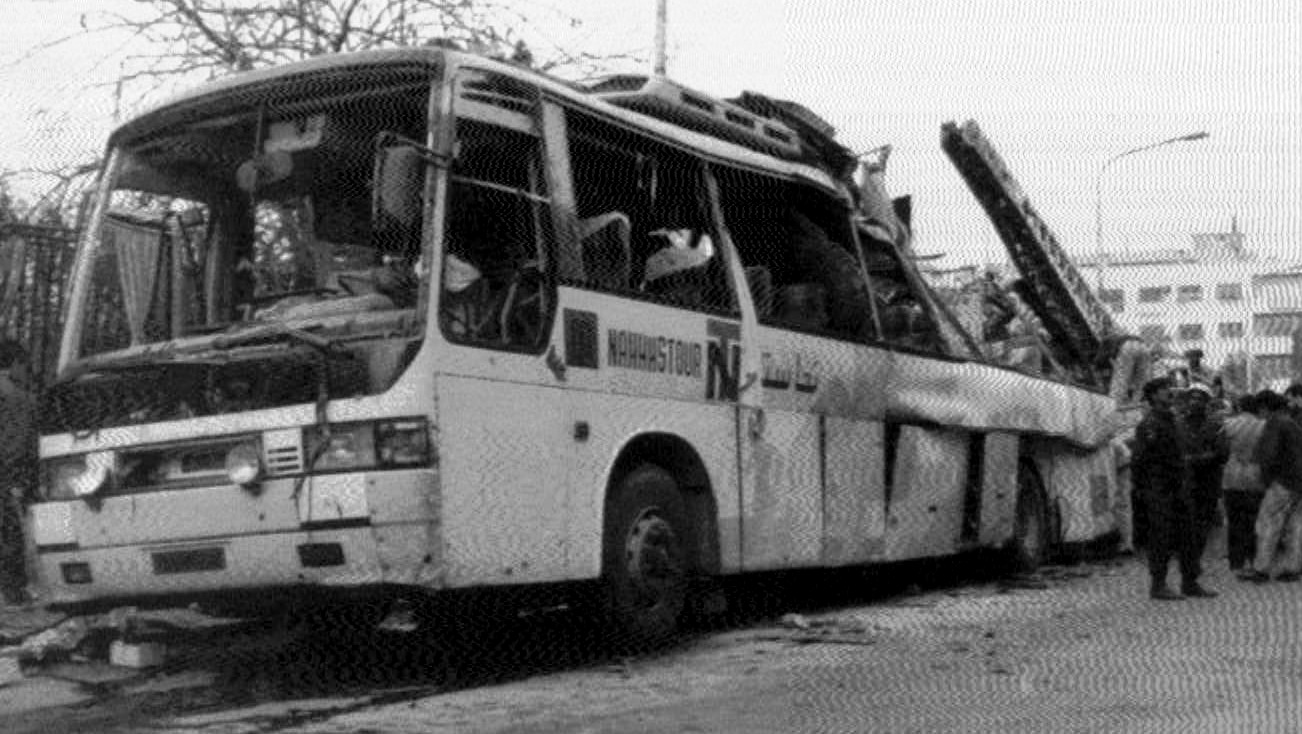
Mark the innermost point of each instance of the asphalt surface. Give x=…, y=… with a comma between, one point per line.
x=1074, y=648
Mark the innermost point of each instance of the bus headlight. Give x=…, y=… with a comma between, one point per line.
x=402, y=442
x=244, y=464
x=344, y=446
x=396, y=442
x=78, y=476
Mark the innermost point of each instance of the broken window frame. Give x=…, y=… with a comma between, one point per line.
x=493, y=307
x=807, y=205
x=639, y=206
x=293, y=97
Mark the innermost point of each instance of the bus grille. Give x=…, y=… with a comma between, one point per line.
x=282, y=452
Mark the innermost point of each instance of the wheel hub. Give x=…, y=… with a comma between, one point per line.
x=652, y=560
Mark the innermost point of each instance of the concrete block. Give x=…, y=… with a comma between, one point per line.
x=10, y=672
x=136, y=654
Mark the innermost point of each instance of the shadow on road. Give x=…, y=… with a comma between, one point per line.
x=250, y=663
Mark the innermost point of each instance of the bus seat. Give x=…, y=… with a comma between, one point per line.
x=760, y=282
x=604, y=240
x=803, y=305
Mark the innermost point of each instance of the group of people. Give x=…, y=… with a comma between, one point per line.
x=1189, y=458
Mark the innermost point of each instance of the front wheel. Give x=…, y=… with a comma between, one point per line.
x=644, y=564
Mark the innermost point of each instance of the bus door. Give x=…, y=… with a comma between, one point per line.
x=505, y=436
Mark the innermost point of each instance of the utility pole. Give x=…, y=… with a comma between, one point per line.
x=662, y=22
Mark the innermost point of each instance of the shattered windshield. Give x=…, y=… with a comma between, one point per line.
x=258, y=213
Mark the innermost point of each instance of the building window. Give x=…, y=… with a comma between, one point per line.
x=1191, y=332
x=1272, y=367
x=1152, y=333
x=1189, y=294
x=1275, y=324
x=1229, y=291
x=1230, y=330
x=1154, y=294
x=1113, y=298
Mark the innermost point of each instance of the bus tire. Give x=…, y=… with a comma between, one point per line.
x=644, y=559
x=1029, y=548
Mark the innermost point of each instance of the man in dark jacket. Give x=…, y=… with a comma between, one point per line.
x=1279, y=454
x=1206, y=451
x=1161, y=480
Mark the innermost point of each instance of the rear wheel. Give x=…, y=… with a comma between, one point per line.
x=644, y=564
x=1030, y=544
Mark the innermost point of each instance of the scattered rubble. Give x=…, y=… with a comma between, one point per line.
x=825, y=631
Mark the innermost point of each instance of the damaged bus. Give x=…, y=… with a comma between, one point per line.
x=415, y=321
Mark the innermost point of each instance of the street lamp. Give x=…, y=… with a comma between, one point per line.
x=1098, y=192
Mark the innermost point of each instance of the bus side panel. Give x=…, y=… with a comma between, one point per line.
x=1084, y=484
x=998, y=489
x=506, y=506
x=855, y=493
x=782, y=498
x=925, y=513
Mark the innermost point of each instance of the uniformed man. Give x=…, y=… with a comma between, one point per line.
x=1160, y=473
x=1206, y=451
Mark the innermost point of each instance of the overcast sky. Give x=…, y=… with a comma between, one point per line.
x=1059, y=87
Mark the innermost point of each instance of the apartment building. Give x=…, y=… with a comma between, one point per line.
x=1217, y=295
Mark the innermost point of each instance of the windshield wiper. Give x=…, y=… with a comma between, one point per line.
x=146, y=358
x=272, y=332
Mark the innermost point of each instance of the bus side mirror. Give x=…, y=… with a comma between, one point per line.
x=399, y=182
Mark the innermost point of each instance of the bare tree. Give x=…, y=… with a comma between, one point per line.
x=188, y=38
x=185, y=41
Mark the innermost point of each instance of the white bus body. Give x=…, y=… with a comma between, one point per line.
x=524, y=402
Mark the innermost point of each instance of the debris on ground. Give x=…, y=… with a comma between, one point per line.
x=794, y=621
x=1064, y=573
x=10, y=671
x=1023, y=582
x=59, y=641
x=136, y=654
x=830, y=631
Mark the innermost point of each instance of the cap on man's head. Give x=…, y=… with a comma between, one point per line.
x=1201, y=388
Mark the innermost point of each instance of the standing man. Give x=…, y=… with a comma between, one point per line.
x=1206, y=452
x=1279, y=453
x=17, y=467
x=1160, y=475
x=1241, y=482
x=1294, y=397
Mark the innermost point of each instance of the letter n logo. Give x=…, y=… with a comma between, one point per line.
x=723, y=360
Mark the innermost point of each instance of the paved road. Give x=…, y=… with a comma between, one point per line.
x=1080, y=648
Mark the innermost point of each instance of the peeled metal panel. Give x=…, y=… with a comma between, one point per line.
x=925, y=510
x=999, y=489
x=854, y=495
x=983, y=397
x=782, y=502
x=1084, y=487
